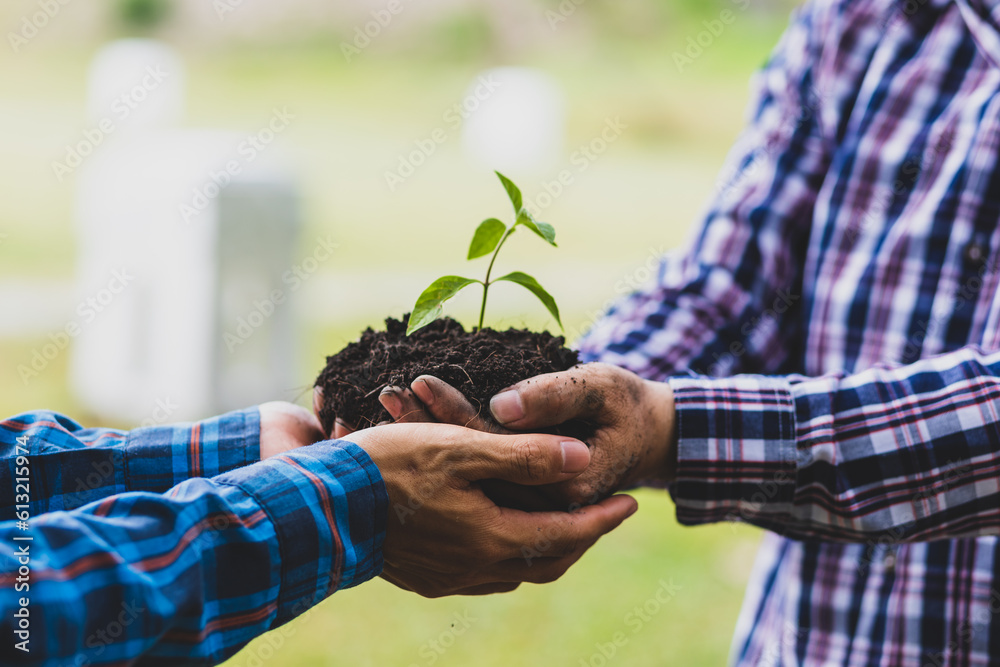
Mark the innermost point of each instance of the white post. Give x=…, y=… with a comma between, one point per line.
x=178, y=233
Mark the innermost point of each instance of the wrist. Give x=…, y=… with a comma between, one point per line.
x=664, y=431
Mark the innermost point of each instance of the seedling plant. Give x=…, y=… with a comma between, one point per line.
x=490, y=237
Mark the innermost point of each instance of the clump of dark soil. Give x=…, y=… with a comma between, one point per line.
x=479, y=364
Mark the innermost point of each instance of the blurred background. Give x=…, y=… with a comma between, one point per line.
x=203, y=199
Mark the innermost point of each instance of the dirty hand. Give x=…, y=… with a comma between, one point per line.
x=444, y=536
x=633, y=421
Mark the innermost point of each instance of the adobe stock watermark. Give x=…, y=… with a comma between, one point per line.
x=627, y=284
x=562, y=13
x=608, y=480
x=453, y=117
x=121, y=109
x=427, y=490
x=34, y=23
x=224, y=8
x=99, y=641
x=365, y=35
x=258, y=653
x=967, y=293
x=733, y=176
x=580, y=160
x=265, y=308
x=102, y=472
x=767, y=490
x=768, y=320
x=789, y=639
x=246, y=153
x=883, y=199
x=713, y=30
x=87, y=311
x=433, y=649
x=952, y=473
x=979, y=621
x=634, y=621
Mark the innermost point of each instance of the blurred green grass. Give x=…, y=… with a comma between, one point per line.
x=557, y=624
x=352, y=123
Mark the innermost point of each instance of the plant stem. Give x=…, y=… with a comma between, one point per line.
x=486, y=283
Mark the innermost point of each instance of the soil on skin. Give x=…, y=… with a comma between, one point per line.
x=479, y=364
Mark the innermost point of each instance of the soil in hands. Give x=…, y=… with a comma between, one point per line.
x=479, y=364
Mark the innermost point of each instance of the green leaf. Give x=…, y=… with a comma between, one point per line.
x=543, y=229
x=532, y=285
x=429, y=305
x=487, y=238
x=513, y=192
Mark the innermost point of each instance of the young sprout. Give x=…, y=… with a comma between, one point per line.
x=489, y=238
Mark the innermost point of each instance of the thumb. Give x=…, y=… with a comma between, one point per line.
x=550, y=400
x=526, y=459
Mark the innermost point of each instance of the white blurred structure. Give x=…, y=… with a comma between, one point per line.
x=183, y=235
x=521, y=126
x=138, y=82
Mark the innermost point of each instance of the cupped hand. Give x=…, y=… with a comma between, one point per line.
x=445, y=536
x=341, y=429
x=632, y=418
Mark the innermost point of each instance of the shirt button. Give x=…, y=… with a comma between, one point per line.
x=974, y=254
x=889, y=563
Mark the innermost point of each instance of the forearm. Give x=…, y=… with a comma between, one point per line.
x=72, y=466
x=726, y=304
x=209, y=565
x=912, y=451
x=700, y=317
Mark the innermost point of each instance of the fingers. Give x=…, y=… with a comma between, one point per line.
x=428, y=399
x=549, y=400
x=317, y=400
x=516, y=496
x=284, y=427
x=489, y=589
x=300, y=423
x=395, y=581
x=403, y=406
x=562, y=534
x=341, y=430
x=537, y=570
x=427, y=589
x=450, y=406
x=469, y=455
x=523, y=459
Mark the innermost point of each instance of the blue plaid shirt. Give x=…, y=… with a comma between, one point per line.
x=172, y=544
x=831, y=334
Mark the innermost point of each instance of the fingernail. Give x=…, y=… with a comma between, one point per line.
x=507, y=407
x=575, y=455
x=635, y=508
x=390, y=401
x=423, y=391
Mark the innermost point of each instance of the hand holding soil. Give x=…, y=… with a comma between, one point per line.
x=358, y=387
x=479, y=363
x=444, y=536
x=632, y=442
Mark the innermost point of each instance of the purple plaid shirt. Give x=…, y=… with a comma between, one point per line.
x=831, y=337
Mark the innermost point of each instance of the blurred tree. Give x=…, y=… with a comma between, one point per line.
x=143, y=15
